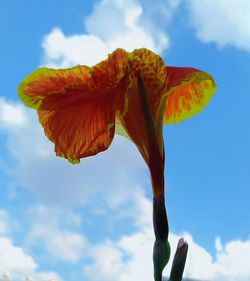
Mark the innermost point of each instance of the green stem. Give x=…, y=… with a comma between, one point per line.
x=160, y=220
x=161, y=252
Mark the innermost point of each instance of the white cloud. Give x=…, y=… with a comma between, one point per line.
x=127, y=24
x=233, y=261
x=130, y=258
x=225, y=22
x=64, y=51
x=218, y=244
x=7, y=224
x=14, y=259
x=133, y=24
x=108, y=176
x=11, y=113
x=39, y=170
x=50, y=228
x=18, y=265
x=4, y=223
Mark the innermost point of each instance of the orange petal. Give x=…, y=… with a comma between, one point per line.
x=153, y=72
x=44, y=82
x=77, y=106
x=80, y=129
x=189, y=90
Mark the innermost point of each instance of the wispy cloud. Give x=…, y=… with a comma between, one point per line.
x=50, y=228
x=112, y=24
x=224, y=22
x=11, y=113
x=4, y=224
x=14, y=260
x=38, y=169
x=130, y=258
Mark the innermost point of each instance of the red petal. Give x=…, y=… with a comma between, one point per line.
x=80, y=129
x=77, y=106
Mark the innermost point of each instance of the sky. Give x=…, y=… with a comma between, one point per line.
x=93, y=221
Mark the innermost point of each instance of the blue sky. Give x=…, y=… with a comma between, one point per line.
x=93, y=221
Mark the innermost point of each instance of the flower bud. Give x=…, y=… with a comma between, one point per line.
x=179, y=261
x=161, y=254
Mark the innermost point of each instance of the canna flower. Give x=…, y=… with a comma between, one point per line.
x=130, y=93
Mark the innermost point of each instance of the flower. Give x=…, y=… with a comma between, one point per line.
x=130, y=93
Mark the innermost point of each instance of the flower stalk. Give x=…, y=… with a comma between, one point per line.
x=155, y=153
x=161, y=251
